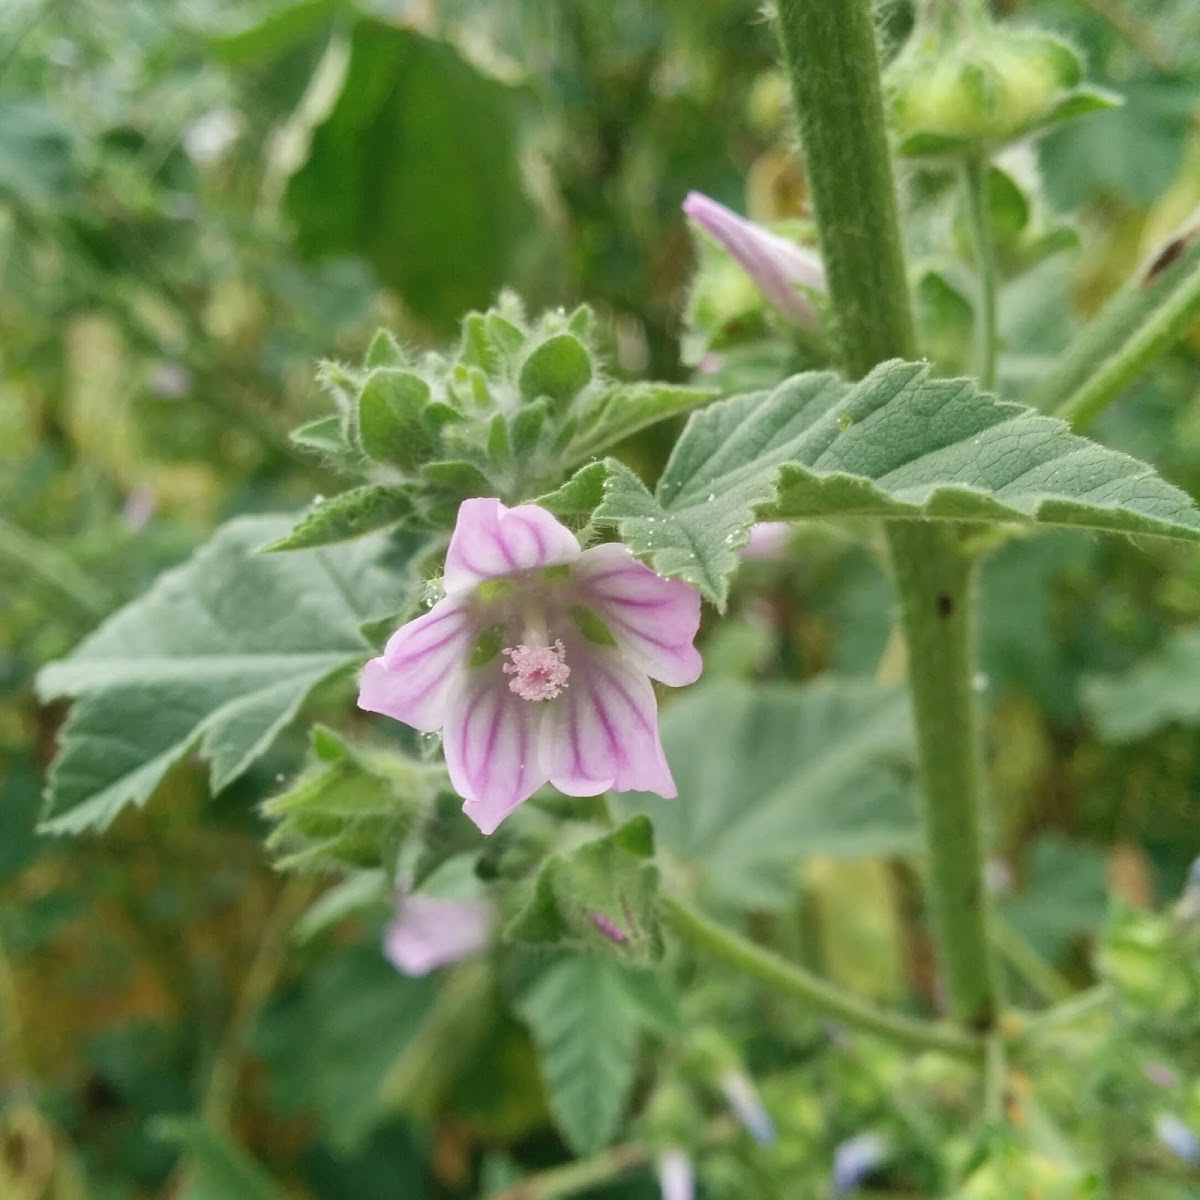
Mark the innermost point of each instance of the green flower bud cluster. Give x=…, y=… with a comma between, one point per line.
x=349, y=811
x=509, y=413
x=494, y=418
x=973, y=87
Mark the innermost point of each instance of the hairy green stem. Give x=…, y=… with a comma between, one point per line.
x=934, y=577
x=1139, y=324
x=831, y=56
x=975, y=171
x=781, y=976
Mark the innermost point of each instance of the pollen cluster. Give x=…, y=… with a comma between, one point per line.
x=539, y=673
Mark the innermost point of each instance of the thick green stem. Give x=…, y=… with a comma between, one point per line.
x=831, y=56
x=934, y=576
x=986, y=341
x=811, y=990
x=833, y=61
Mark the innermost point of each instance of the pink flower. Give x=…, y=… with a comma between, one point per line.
x=784, y=272
x=537, y=664
x=429, y=932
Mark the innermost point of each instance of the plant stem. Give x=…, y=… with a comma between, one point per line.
x=1081, y=1007
x=830, y=53
x=1152, y=339
x=934, y=576
x=768, y=968
x=1027, y=962
x=1139, y=323
x=261, y=976
x=831, y=56
x=979, y=219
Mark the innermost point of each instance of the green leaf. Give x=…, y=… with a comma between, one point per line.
x=217, y=1168
x=280, y=31
x=348, y=515
x=580, y=495
x=560, y=368
x=218, y=656
x=412, y=110
x=770, y=774
x=898, y=444
x=1065, y=895
x=585, y=1029
x=1160, y=689
x=326, y=435
x=391, y=423
x=622, y=410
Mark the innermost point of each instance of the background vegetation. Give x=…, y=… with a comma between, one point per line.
x=198, y=200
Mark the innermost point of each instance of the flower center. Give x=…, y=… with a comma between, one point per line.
x=538, y=673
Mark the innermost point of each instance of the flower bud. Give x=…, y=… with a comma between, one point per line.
x=785, y=273
x=982, y=85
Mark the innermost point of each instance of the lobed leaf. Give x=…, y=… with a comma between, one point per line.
x=218, y=655
x=899, y=444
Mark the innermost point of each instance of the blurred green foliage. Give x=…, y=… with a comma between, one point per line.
x=201, y=198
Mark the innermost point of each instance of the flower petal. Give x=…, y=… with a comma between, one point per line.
x=429, y=932
x=602, y=732
x=491, y=745
x=491, y=541
x=413, y=678
x=654, y=620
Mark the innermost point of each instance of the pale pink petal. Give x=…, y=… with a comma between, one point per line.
x=784, y=272
x=654, y=620
x=491, y=743
x=412, y=680
x=769, y=540
x=491, y=541
x=429, y=932
x=602, y=732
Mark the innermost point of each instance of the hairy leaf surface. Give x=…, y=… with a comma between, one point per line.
x=898, y=444
x=218, y=655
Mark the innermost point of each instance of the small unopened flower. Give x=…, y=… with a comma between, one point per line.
x=676, y=1176
x=748, y=1107
x=785, y=273
x=536, y=666
x=429, y=932
x=855, y=1159
x=768, y=540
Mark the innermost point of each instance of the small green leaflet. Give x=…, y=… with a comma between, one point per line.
x=585, y=1014
x=218, y=655
x=898, y=444
x=771, y=773
x=348, y=515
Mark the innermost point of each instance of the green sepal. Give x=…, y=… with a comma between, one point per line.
x=580, y=495
x=391, y=424
x=590, y=624
x=385, y=351
x=600, y=897
x=526, y=428
x=464, y=479
x=349, y=810
x=559, y=368
x=348, y=515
